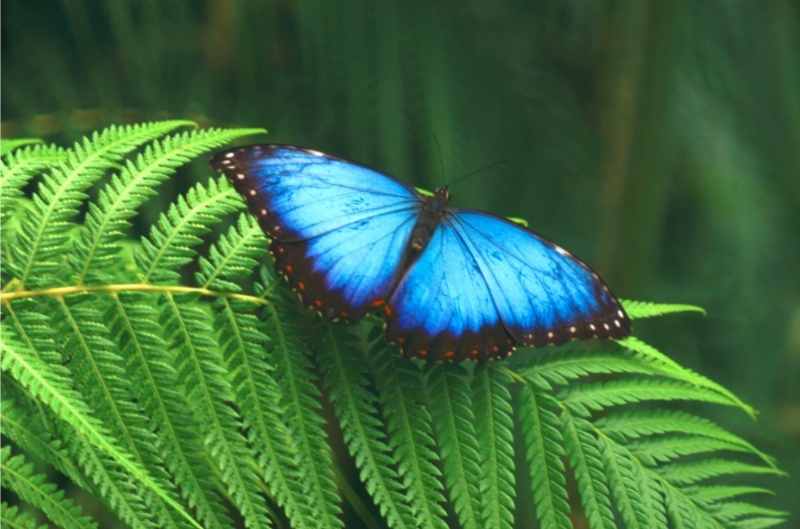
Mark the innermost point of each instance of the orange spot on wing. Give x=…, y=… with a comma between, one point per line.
x=388, y=311
x=449, y=355
x=378, y=303
x=422, y=353
x=301, y=285
x=317, y=303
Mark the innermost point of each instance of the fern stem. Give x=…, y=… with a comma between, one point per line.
x=59, y=292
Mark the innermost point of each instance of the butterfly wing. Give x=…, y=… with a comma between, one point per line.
x=484, y=285
x=339, y=230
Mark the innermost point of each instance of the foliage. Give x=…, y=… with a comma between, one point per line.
x=182, y=399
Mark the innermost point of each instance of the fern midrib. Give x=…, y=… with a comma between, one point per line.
x=165, y=424
x=47, y=496
x=295, y=402
x=211, y=412
x=178, y=228
x=270, y=453
x=377, y=476
x=464, y=484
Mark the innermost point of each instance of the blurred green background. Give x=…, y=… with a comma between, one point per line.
x=659, y=140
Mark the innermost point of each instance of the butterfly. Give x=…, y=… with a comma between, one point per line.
x=453, y=284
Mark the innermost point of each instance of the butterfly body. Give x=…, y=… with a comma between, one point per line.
x=453, y=284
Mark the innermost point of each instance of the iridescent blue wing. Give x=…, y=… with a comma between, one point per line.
x=484, y=285
x=339, y=230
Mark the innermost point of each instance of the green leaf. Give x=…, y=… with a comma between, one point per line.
x=408, y=421
x=450, y=401
x=8, y=145
x=18, y=475
x=356, y=407
x=54, y=390
x=544, y=450
x=495, y=422
x=584, y=455
x=646, y=309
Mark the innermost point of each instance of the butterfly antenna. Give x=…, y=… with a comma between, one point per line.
x=441, y=155
x=486, y=167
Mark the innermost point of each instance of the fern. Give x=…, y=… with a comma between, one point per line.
x=172, y=378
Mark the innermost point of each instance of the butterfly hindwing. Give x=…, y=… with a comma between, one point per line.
x=339, y=230
x=484, y=285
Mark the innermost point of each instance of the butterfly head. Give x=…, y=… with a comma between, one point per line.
x=442, y=194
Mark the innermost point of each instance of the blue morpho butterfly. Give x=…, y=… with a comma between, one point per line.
x=453, y=284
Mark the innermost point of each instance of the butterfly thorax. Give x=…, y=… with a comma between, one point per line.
x=433, y=209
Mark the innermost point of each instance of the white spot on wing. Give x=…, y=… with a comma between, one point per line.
x=229, y=155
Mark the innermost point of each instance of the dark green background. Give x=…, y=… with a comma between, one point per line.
x=659, y=140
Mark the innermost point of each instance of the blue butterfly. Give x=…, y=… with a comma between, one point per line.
x=453, y=284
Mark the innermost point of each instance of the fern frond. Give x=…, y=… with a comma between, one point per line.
x=450, y=400
x=646, y=309
x=234, y=257
x=200, y=371
x=666, y=448
x=584, y=456
x=634, y=424
x=18, y=168
x=8, y=145
x=494, y=418
x=597, y=396
x=54, y=390
x=18, y=475
x=668, y=367
x=298, y=383
x=134, y=323
x=561, y=367
x=544, y=450
x=716, y=493
x=100, y=373
x=623, y=485
x=355, y=406
x=18, y=424
x=400, y=388
x=45, y=231
x=14, y=518
x=736, y=510
x=691, y=472
x=108, y=218
x=177, y=232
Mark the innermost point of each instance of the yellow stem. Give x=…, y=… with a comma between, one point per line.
x=125, y=287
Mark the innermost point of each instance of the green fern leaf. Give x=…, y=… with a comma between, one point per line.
x=14, y=518
x=597, y=396
x=634, y=424
x=624, y=485
x=200, y=372
x=450, y=401
x=100, y=373
x=562, y=367
x=51, y=388
x=18, y=475
x=715, y=493
x=668, y=367
x=298, y=383
x=18, y=169
x=46, y=229
x=400, y=388
x=8, y=145
x=356, y=408
x=691, y=472
x=544, y=450
x=134, y=324
x=18, y=423
x=584, y=455
x=663, y=449
x=495, y=422
x=231, y=259
x=177, y=232
x=645, y=309
x=108, y=218
x=736, y=510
